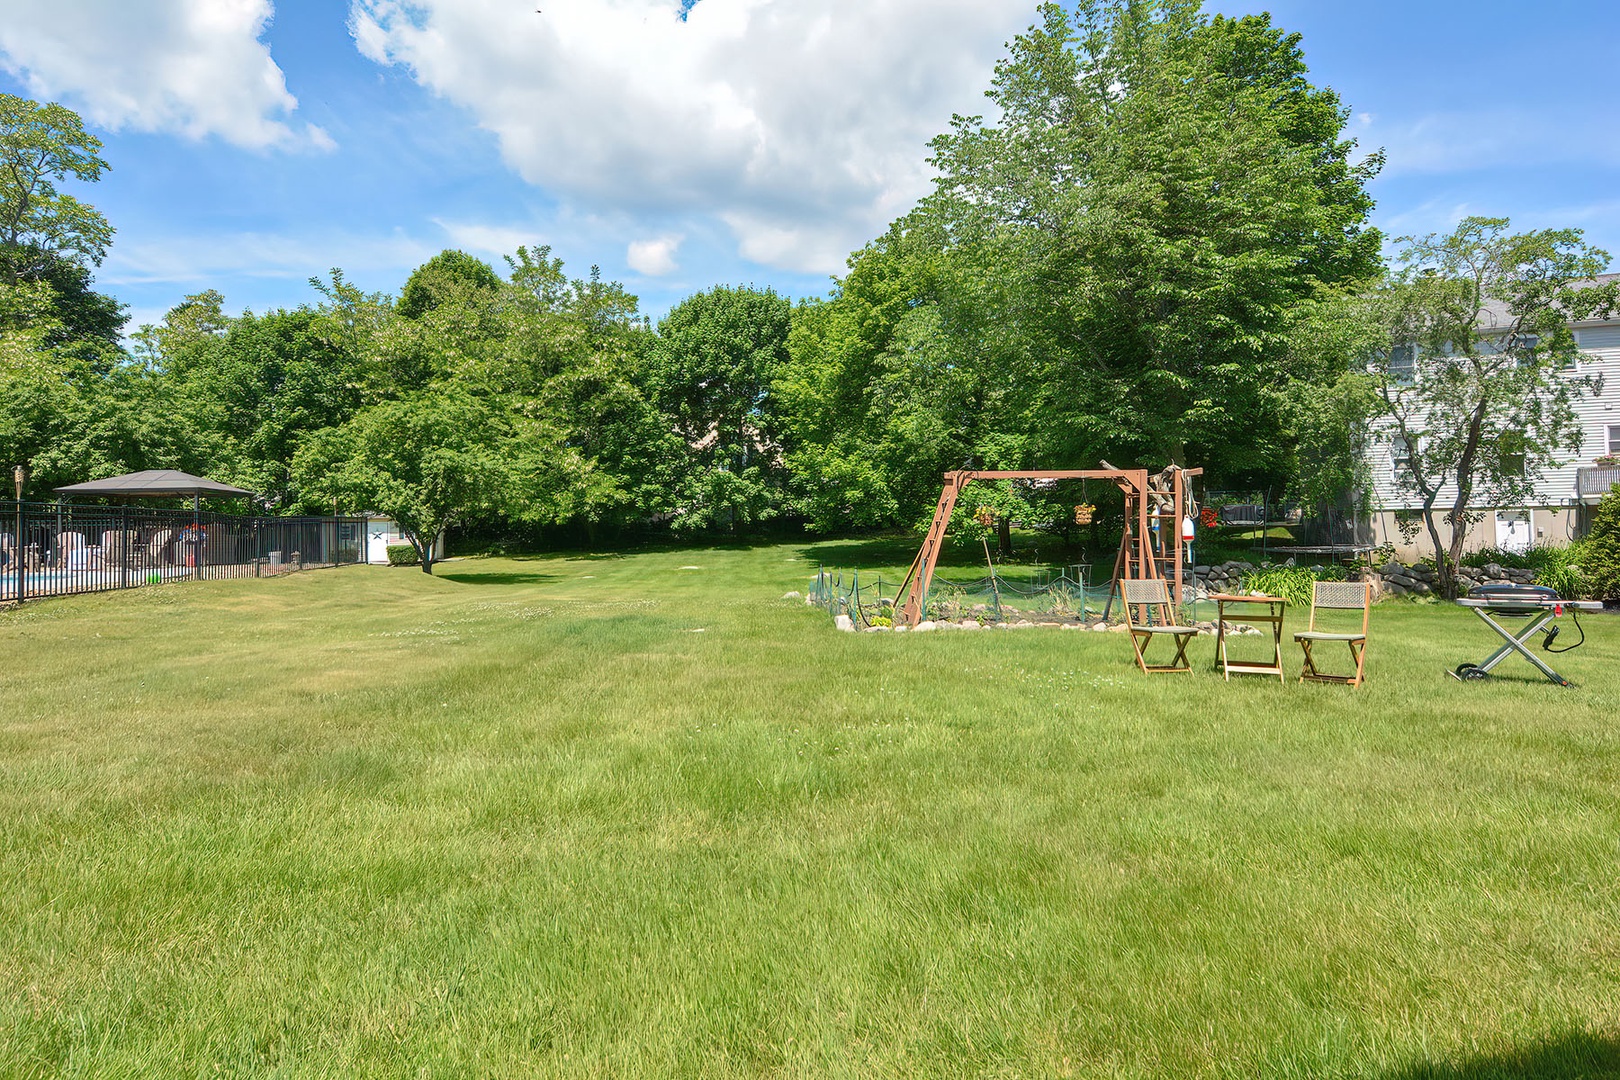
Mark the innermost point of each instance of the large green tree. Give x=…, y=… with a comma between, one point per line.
x=710, y=372
x=1111, y=265
x=41, y=145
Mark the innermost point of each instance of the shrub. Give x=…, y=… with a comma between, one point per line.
x=1563, y=568
x=402, y=555
x=1601, y=555
x=1293, y=583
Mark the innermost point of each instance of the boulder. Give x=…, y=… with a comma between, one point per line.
x=792, y=595
x=844, y=622
x=924, y=627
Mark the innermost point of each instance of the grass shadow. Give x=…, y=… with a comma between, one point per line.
x=475, y=578
x=1575, y=1056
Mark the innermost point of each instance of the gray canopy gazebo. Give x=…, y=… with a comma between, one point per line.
x=157, y=484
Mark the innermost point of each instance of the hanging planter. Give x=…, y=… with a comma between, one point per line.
x=985, y=516
x=1209, y=517
x=1083, y=513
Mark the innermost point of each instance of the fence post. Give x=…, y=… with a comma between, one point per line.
x=124, y=547
x=19, y=555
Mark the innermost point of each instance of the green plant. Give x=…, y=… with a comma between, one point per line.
x=402, y=555
x=1601, y=551
x=1563, y=568
x=1293, y=583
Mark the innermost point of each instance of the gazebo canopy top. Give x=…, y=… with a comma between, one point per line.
x=156, y=484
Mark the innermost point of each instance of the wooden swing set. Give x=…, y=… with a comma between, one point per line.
x=1149, y=545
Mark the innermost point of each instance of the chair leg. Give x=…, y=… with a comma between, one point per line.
x=1139, y=642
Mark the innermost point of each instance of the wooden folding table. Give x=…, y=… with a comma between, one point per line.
x=1273, y=616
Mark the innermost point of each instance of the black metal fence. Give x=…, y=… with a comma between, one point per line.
x=57, y=549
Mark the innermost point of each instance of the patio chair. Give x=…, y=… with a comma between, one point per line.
x=1337, y=596
x=1148, y=615
x=73, y=552
x=118, y=548
x=157, y=546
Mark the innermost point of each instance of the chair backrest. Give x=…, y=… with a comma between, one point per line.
x=1147, y=600
x=1344, y=596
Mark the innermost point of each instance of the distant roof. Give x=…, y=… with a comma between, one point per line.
x=155, y=484
x=1496, y=313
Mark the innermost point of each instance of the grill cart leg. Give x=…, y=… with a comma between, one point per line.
x=1514, y=643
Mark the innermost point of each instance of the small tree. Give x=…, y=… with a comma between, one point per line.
x=1476, y=366
x=427, y=462
x=1601, y=559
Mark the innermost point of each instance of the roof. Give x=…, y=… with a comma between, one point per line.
x=155, y=484
x=1495, y=312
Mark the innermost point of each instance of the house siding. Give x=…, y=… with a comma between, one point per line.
x=1557, y=516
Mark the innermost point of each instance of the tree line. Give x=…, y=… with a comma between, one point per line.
x=1156, y=249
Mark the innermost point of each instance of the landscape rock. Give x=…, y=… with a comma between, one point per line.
x=844, y=622
x=792, y=595
x=924, y=627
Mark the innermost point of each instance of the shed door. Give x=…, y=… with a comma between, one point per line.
x=1513, y=530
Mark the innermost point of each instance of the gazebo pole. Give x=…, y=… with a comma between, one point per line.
x=196, y=536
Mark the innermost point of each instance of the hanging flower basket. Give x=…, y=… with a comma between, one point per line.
x=1083, y=513
x=985, y=516
x=1209, y=517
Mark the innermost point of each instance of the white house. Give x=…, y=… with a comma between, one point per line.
x=1561, y=507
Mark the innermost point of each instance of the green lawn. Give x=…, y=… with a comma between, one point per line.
x=615, y=817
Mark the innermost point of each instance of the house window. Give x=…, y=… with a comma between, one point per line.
x=1400, y=458
x=1403, y=365
x=1526, y=352
x=1510, y=453
x=1614, y=438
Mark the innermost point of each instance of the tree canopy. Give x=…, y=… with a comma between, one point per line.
x=1108, y=269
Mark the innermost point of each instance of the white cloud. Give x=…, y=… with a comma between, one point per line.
x=1451, y=142
x=800, y=125
x=189, y=260
x=190, y=67
x=655, y=257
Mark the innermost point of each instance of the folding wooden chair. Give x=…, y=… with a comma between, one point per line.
x=1148, y=614
x=1345, y=596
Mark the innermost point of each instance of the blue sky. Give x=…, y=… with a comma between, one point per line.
x=255, y=144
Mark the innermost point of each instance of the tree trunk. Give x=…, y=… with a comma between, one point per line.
x=1442, y=562
x=1004, y=536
